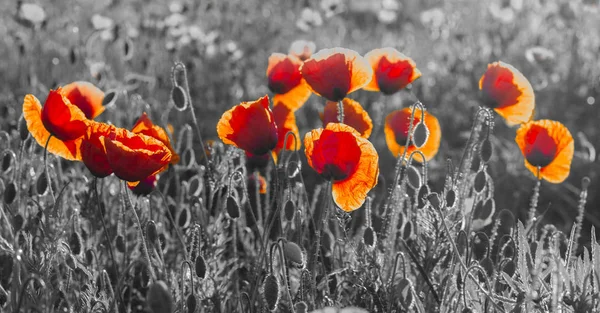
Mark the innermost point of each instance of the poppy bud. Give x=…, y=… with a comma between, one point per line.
x=200, y=266
x=414, y=177
x=420, y=135
x=370, y=237
x=269, y=292
x=151, y=232
x=294, y=253
x=233, y=208
x=159, y=298
x=75, y=243
x=480, y=180
x=10, y=192
x=485, y=150
x=179, y=98
x=289, y=210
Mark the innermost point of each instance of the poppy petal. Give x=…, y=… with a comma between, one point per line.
x=392, y=70
x=32, y=112
x=549, y=145
x=354, y=116
x=334, y=73
x=61, y=118
x=508, y=92
x=249, y=126
x=351, y=193
x=396, y=130
x=286, y=122
x=283, y=73
x=295, y=98
x=143, y=187
x=92, y=150
x=134, y=157
x=145, y=126
x=86, y=97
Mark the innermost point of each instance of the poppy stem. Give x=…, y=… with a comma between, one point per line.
x=340, y=107
x=47, y=173
x=533, y=205
x=327, y=207
x=110, y=246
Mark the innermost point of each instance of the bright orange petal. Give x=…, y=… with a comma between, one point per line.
x=392, y=70
x=396, y=130
x=32, y=112
x=335, y=153
x=145, y=126
x=354, y=116
x=61, y=118
x=295, y=98
x=508, y=92
x=547, y=144
x=86, y=97
x=286, y=122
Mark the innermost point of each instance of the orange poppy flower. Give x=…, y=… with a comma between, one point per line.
x=249, y=126
x=508, y=92
x=58, y=117
x=145, y=126
x=285, y=80
x=547, y=145
x=286, y=122
x=302, y=49
x=340, y=154
x=334, y=73
x=134, y=157
x=397, y=125
x=86, y=97
x=392, y=70
x=354, y=116
x=92, y=149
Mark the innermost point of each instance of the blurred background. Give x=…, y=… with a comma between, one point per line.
x=130, y=46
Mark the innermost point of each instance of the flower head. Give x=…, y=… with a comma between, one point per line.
x=285, y=80
x=93, y=154
x=334, y=73
x=338, y=153
x=145, y=126
x=354, y=116
x=87, y=97
x=392, y=70
x=508, y=92
x=548, y=146
x=397, y=126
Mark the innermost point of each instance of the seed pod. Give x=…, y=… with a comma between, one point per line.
x=159, y=298
x=18, y=222
x=404, y=292
x=450, y=198
x=188, y=158
x=75, y=243
x=41, y=185
x=488, y=266
x=414, y=177
x=190, y=301
x=480, y=180
x=184, y=217
x=179, y=98
x=369, y=237
x=485, y=150
x=10, y=193
x=7, y=161
x=23, y=130
x=151, y=232
x=270, y=292
x=422, y=195
x=120, y=243
x=407, y=230
x=200, y=266
x=289, y=210
x=294, y=253
x=420, y=135
x=233, y=208
x=509, y=268
x=476, y=163
x=301, y=307
x=109, y=98
x=434, y=199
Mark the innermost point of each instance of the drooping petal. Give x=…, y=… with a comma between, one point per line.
x=61, y=118
x=392, y=70
x=93, y=154
x=508, y=92
x=334, y=73
x=249, y=126
x=134, y=157
x=32, y=112
x=286, y=122
x=283, y=73
x=354, y=116
x=87, y=97
x=397, y=125
x=145, y=126
x=548, y=145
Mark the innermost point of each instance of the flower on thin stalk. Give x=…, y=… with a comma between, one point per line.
x=392, y=70
x=335, y=73
x=338, y=153
x=354, y=116
x=286, y=82
x=397, y=125
x=548, y=146
x=508, y=92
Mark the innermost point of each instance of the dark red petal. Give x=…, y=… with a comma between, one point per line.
x=284, y=76
x=61, y=118
x=336, y=155
x=540, y=147
x=392, y=77
x=329, y=77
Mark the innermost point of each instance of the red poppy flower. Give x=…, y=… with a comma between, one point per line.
x=508, y=92
x=334, y=73
x=340, y=154
x=143, y=187
x=302, y=49
x=145, y=126
x=286, y=122
x=397, y=125
x=354, y=116
x=285, y=80
x=86, y=97
x=134, y=157
x=92, y=150
x=249, y=126
x=392, y=70
x=58, y=117
x=547, y=145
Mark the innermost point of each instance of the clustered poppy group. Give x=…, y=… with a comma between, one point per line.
x=339, y=151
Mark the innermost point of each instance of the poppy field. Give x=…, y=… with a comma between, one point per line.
x=299, y=156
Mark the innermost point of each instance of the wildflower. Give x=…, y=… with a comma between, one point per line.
x=392, y=70
x=334, y=73
x=354, y=116
x=249, y=126
x=286, y=122
x=302, y=49
x=134, y=157
x=397, y=125
x=87, y=97
x=548, y=147
x=145, y=126
x=285, y=80
x=93, y=154
x=338, y=153
x=508, y=92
